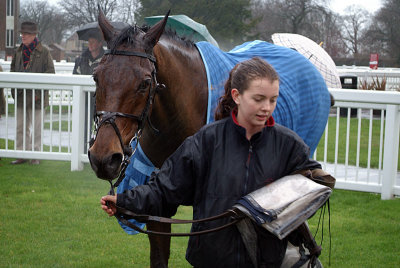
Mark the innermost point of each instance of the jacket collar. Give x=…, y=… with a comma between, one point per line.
x=86, y=53
x=39, y=47
x=270, y=123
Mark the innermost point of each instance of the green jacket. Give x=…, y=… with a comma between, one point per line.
x=40, y=62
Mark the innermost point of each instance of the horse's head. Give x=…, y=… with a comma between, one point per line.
x=125, y=87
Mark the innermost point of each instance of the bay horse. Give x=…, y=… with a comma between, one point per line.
x=149, y=85
x=123, y=84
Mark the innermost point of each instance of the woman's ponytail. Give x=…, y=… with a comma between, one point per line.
x=226, y=102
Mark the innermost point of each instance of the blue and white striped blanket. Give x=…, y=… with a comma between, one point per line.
x=137, y=173
x=303, y=103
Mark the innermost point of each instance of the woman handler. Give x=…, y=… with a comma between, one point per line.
x=242, y=151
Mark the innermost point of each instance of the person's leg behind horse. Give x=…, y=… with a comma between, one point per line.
x=20, y=133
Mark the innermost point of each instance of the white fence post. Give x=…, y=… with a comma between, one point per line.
x=78, y=111
x=391, y=149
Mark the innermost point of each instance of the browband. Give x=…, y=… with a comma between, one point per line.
x=130, y=53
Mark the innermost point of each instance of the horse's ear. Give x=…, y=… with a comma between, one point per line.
x=105, y=26
x=155, y=32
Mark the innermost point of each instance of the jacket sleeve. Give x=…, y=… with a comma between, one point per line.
x=171, y=186
x=300, y=158
x=12, y=67
x=49, y=65
x=76, y=66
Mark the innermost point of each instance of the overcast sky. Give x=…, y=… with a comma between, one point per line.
x=336, y=5
x=370, y=5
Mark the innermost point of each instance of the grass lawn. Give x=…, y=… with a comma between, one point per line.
x=56, y=125
x=375, y=139
x=46, y=148
x=51, y=217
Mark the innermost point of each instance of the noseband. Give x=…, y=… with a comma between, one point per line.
x=105, y=117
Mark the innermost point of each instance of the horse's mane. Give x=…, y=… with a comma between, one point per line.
x=127, y=35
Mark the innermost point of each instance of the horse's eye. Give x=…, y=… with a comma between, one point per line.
x=144, y=85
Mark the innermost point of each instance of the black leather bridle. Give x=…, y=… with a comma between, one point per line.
x=105, y=117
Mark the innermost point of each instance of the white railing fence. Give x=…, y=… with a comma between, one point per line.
x=371, y=137
x=351, y=165
x=67, y=144
x=391, y=76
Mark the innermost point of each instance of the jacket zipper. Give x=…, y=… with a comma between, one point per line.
x=245, y=191
x=248, y=167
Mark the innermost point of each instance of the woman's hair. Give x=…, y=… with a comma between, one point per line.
x=240, y=77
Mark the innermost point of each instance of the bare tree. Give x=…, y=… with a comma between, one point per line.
x=126, y=10
x=299, y=15
x=306, y=17
x=326, y=30
x=80, y=12
x=354, y=25
x=383, y=34
x=51, y=22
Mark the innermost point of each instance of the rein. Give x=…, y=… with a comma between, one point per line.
x=123, y=215
x=105, y=117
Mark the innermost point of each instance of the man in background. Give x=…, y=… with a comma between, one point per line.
x=31, y=57
x=85, y=64
x=91, y=56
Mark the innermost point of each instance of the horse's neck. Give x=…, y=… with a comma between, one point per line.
x=180, y=109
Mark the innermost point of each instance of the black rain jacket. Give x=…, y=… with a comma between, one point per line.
x=210, y=171
x=85, y=64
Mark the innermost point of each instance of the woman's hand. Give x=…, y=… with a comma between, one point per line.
x=108, y=204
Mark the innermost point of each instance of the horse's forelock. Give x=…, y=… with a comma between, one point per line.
x=127, y=35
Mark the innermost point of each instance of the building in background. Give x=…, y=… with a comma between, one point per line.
x=9, y=13
x=74, y=47
x=57, y=52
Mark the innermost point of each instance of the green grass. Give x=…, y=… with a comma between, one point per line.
x=375, y=139
x=56, y=125
x=56, y=109
x=365, y=231
x=46, y=148
x=51, y=217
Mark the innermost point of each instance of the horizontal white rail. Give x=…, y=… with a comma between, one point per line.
x=60, y=67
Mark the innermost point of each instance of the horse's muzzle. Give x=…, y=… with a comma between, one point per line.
x=107, y=167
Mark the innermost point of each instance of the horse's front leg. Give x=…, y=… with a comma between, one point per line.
x=159, y=245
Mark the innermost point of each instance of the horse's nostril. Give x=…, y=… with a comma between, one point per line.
x=107, y=167
x=116, y=159
x=112, y=165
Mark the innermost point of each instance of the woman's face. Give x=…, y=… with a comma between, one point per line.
x=256, y=104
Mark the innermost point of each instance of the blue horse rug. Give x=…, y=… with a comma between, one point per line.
x=137, y=173
x=303, y=104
